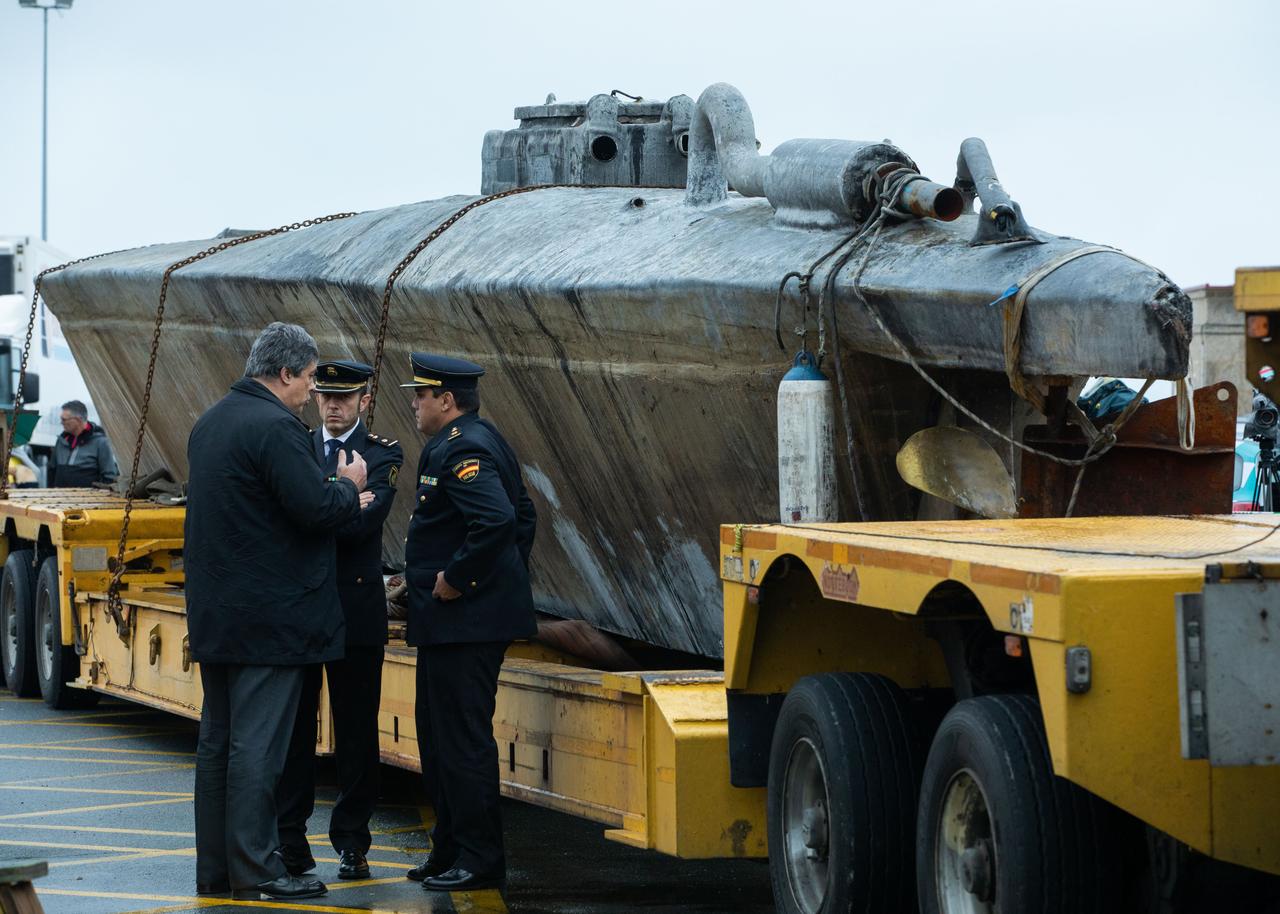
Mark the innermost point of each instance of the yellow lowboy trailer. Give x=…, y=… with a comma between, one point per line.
x=1069, y=675
x=1137, y=658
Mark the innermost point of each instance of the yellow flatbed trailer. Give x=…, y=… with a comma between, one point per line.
x=1069, y=626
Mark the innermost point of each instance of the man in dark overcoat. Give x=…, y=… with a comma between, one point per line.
x=262, y=603
x=355, y=681
x=467, y=566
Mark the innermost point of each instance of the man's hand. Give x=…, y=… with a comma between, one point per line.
x=366, y=499
x=356, y=470
x=444, y=590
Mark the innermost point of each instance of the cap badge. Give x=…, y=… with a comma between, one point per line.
x=467, y=470
x=331, y=371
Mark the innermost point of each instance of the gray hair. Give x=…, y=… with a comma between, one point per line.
x=279, y=346
x=76, y=408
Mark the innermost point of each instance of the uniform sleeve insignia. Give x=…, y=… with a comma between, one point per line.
x=454, y=432
x=392, y=475
x=467, y=470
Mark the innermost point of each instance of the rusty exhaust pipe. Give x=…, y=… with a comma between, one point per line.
x=923, y=197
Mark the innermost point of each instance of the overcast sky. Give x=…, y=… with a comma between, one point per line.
x=1152, y=126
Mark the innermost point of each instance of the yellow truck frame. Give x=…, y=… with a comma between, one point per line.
x=1074, y=619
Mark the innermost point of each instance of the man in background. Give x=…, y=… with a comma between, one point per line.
x=262, y=603
x=82, y=454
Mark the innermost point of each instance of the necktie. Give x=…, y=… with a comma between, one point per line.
x=331, y=456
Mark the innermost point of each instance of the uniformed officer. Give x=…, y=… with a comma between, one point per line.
x=355, y=682
x=466, y=562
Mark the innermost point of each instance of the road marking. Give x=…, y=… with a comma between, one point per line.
x=151, y=832
x=485, y=902
x=196, y=901
x=107, y=790
x=103, y=807
x=85, y=761
x=101, y=774
x=60, y=845
x=58, y=747
x=63, y=718
x=66, y=743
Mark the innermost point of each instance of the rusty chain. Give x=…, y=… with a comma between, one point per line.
x=115, y=606
x=436, y=233
x=20, y=394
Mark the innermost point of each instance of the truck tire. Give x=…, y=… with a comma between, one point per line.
x=844, y=773
x=17, y=623
x=998, y=831
x=56, y=665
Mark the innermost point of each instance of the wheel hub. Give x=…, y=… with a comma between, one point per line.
x=806, y=826
x=965, y=857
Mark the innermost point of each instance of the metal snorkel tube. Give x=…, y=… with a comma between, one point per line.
x=808, y=182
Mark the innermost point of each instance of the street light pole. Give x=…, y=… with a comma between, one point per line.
x=44, y=6
x=44, y=138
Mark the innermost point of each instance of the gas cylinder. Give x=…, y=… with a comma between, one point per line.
x=806, y=444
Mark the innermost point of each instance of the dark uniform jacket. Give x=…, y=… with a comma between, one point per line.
x=473, y=520
x=364, y=601
x=83, y=460
x=259, y=548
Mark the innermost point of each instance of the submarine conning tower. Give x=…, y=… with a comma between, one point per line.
x=707, y=148
x=604, y=140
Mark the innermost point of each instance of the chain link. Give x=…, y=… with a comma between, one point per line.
x=115, y=606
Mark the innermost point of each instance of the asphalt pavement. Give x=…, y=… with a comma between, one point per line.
x=104, y=796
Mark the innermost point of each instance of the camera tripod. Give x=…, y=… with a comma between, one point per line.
x=1266, y=486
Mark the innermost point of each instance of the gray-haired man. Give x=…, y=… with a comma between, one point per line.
x=82, y=454
x=262, y=603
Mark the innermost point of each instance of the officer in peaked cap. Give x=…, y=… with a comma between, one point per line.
x=467, y=565
x=355, y=682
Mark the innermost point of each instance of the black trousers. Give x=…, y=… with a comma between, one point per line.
x=456, y=694
x=355, y=689
x=245, y=723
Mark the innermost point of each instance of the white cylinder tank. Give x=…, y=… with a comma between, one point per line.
x=806, y=445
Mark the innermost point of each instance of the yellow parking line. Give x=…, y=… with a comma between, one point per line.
x=110, y=858
x=65, y=846
x=96, y=715
x=103, y=807
x=55, y=722
x=85, y=761
x=486, y=902
x=97, y=739
x=59, y=747
x=399, y=830
x=195, y=901
x=101, y=774
x=106, y=790
x=101, y=828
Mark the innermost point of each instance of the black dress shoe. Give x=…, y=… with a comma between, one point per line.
x=430, y=867
x=457, y=879
x=213, y=888
x=352, y=865
x=297, y=862
x=284, y=887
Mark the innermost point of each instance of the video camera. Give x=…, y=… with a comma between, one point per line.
x=1263, y=424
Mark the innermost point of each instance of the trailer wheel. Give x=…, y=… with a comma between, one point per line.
x=844, y=772
x=17, y=623
x=56, y=665
x=998, y=831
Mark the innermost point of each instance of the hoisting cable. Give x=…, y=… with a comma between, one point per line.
x=115, y=606
x=20, y=394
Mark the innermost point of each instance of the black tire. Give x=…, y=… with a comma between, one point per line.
x=17, y=623
x=858, y=731
x=1030, y=842
x=56, y=665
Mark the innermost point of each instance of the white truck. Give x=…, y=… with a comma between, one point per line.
x=22, y=257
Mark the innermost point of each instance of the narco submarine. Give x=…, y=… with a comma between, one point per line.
x=637, y=278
